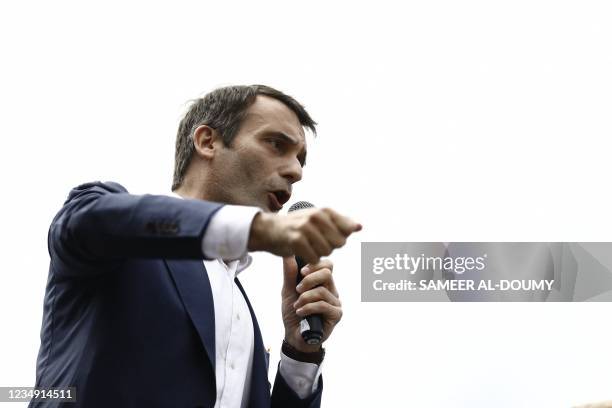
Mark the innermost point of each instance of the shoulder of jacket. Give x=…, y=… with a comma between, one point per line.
x=95, y=187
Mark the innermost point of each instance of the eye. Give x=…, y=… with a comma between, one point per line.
x=275, y=143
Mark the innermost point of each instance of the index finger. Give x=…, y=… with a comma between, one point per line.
x=346, y=225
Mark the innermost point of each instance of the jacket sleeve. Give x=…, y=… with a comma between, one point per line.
x=101, y=224
x=283, y=396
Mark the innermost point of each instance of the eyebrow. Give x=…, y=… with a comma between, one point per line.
x=288, y=139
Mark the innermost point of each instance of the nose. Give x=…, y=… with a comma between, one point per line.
x=292, y=171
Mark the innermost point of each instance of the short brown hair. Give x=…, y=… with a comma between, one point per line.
x=224, y=109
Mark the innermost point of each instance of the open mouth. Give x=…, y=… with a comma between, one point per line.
x=277, y=199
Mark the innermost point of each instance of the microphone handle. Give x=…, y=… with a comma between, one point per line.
x=311, y=326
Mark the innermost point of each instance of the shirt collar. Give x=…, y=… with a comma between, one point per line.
x=243, y=263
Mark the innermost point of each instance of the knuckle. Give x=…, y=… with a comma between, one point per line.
x=316, y=292
x=294, y=237
x=303, y=224
x=317, y=215
x=326, y=272
x=313, y=216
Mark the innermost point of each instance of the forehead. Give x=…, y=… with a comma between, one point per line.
x=267, y=114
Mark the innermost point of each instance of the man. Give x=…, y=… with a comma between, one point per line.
x=142, y=306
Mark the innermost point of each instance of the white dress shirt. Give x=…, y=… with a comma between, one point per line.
x=225, y=245
x=234, y=349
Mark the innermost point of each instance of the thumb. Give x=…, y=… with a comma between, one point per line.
x=289, y=272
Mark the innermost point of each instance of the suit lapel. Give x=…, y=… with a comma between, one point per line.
x=260, y=386
x=193, y=286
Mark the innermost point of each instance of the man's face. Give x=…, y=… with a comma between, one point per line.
x=264, y=160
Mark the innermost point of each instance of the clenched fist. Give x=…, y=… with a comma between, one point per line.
x=310, y=233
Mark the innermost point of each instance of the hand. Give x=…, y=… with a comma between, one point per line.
x=310, y=233
x=317, y=294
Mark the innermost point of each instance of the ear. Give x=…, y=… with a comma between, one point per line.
x=206, y=141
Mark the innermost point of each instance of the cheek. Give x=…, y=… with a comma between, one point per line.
x=253, y=169
x=256, y=161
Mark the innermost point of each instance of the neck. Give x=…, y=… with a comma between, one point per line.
x=193, y=189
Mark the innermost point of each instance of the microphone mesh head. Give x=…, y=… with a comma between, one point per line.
x=300, y=205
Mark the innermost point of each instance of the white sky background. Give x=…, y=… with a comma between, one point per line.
x=439, y=121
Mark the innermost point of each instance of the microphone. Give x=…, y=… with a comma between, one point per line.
x=311, y=327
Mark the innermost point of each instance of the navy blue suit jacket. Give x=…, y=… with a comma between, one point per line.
x=128, y=312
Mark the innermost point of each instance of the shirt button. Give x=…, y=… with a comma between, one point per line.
x=232, y=366
x=301, y=384
x=237, y=316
